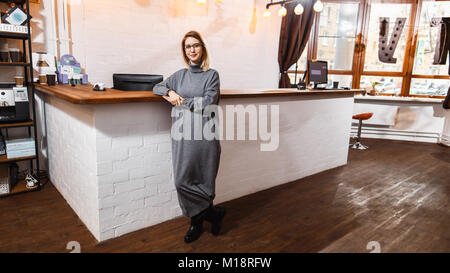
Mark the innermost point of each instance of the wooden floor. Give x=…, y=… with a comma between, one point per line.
x=395, y=193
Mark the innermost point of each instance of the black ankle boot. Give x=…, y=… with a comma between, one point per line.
x=215, y=215
x=195, y=229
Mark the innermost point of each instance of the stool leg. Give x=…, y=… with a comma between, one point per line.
x=358, y=144
x=358, y=139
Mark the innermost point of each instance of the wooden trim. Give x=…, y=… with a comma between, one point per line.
x=363, y=40
x=340, y=72
x=342, y=1
x=14, y=64
x=17, y=124
x=427, y=96
x=359, y=46
x=83, y=94
x=418, y=96
x=443, y=77
x=330, y=72
x=4, y=158
x=382, y=73
x=236, y=93
x=408, y=62
x=393, y=1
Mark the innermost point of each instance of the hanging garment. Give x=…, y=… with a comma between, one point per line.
x=447, y=100
x=443, y=44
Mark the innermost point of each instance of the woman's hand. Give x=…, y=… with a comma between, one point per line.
x=174, y=98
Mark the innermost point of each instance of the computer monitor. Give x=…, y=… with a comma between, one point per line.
x=317, y=72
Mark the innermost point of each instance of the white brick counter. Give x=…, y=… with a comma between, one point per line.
x=112, y=162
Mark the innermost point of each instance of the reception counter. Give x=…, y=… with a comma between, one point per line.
x=109, y=153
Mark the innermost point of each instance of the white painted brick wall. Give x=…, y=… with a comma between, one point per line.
x=137, y=165
x=146, y=38
x=131, y=181
x=71, y=149
x=306, y=147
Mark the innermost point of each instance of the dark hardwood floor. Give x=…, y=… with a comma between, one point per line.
x=396, y=193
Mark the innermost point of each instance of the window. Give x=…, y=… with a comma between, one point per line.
x=301, y=67
x=429, y=87
x=344, y=80
x=386, y=85
x=337, y=34
x=427, y=38
x=392, y=11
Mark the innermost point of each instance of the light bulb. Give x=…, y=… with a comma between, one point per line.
x=201, y=2
x=267, y=13
x=282, y=11
x=299, y=9
x=318, y=6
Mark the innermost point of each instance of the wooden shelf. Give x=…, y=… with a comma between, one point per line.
x=20, y=187
x=13, y=64
x=17, y=124
x=5, y=159
x=17, y=2
x=13, y=35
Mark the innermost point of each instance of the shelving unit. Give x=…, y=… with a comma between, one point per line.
x=20, y=187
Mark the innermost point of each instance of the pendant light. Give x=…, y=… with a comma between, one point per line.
x=299, y=9
x=318, y=6
x=282, y=11
x=202, y=2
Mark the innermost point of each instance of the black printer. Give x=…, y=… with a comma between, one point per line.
x=136, y=82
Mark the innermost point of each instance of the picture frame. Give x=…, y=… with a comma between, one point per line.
x=16, y=16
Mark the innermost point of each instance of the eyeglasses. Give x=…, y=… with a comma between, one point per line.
x=195, y=46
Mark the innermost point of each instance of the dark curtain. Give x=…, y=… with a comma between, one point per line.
x=294, y=35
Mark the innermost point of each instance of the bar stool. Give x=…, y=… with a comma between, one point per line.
x=360, y=117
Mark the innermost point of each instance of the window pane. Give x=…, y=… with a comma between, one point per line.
x=292, y=78
x=337, y=34
x=388, y=85
x=427, y=38
x=344, y=80
x=432, y=87
x=392, y=11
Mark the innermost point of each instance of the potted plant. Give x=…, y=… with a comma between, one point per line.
x=373, y=92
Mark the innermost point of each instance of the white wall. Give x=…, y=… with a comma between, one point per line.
x=72, y=158
x=412, y=123
x=143, y=36
x=445, y=138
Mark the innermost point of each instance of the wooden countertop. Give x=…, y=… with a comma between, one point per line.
x=83, y=94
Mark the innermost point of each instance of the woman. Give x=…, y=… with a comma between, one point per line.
x=195, y=162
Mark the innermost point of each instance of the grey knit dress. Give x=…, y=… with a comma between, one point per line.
x=195, y=162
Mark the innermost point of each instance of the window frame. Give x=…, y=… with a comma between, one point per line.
x=361, y=40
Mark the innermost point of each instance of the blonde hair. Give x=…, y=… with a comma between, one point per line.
x=205, y=57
